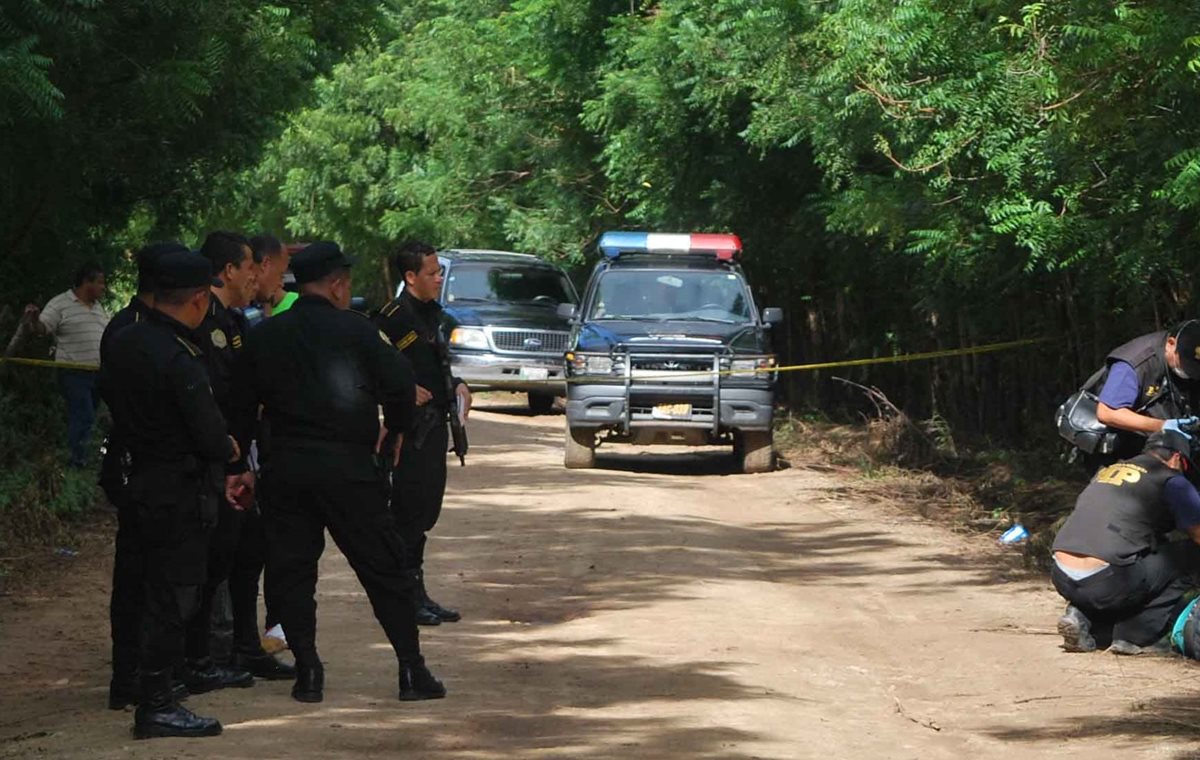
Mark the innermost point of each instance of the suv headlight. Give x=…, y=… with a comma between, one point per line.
x=751, y=367
x=469, y=337
x=594, y=364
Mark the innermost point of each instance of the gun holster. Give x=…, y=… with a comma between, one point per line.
x=428, y=418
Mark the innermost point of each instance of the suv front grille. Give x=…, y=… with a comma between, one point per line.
x=703, y=364
x=528, y=341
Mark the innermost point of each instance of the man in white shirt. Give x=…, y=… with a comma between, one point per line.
x=77, y=320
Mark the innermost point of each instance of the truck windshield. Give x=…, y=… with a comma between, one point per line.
x=661, y=295
x=507, y=284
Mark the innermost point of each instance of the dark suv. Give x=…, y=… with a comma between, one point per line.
x=668, y=347
x=499, y=317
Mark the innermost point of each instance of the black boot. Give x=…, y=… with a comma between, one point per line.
x=416, y=682
x=310, y=683
x=122, y=692
x=158, y=714
x=265, y=666
x=204, y=675
x=426, y=616
x=443, y=614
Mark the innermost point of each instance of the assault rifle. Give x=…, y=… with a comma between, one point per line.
x=458, y=431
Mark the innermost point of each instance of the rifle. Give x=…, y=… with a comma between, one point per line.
x=458, y=431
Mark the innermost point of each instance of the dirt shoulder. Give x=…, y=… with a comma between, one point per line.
x=659, y=606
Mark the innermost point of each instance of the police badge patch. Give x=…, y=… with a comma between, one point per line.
x=218, y=338
x=383, y=336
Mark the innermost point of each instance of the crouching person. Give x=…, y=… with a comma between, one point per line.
x=1123, y=580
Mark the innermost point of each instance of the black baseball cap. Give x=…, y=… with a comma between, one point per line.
x=1187, y=345
x=319, y=259
x=1171, y=440
x=183, y=269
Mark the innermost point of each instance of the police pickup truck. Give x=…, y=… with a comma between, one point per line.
x=668, y=346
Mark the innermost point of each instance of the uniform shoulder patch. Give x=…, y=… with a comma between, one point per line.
x=191, y=347
x=237, y=341
x=407, y=340
x=390, y=309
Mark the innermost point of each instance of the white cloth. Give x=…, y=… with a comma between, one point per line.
x=76, y=328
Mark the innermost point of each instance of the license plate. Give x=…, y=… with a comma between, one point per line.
x=534, y=373
x=671, y=412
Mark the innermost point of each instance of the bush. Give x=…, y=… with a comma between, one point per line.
x=39, y=493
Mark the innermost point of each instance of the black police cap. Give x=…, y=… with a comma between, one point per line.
x=183, y=269
x=147, y=262
x=317, y=260
x=1187, y=345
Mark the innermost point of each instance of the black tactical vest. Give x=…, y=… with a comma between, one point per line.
x=1160, y=393
x=1121, y=515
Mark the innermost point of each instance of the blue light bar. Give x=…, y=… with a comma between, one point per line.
x=613, y=244
x=724, y=246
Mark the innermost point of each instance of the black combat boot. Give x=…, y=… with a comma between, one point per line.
x=417, y=683
x=310, y=682
x=158, y=714
x=265, y=666
x=122, y=691
x=424, y=602
x=204, y=675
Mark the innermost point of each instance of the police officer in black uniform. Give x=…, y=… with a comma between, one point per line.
x=155, y=382
x=1149, y=384
x=320, y=373
x=125, y=607
x=1112, y=561
x=222, y=336
x=411, y=322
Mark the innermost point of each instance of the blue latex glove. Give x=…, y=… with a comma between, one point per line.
x=1182, y=425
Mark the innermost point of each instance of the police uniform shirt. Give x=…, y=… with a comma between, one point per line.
x=221, y=336
x=156, y=384
x=320, y=374
x=136, y=311
x=413, y=326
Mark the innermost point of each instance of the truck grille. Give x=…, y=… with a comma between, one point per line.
x=702, y=364
x=528, y=341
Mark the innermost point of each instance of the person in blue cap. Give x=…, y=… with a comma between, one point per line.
x=320, y=374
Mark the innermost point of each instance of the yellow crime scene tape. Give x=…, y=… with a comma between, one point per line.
x=48, y=363
x=923, y=356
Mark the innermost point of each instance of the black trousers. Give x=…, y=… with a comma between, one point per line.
x=295, y=518
x=1139, y=601
x=248, y=562
x=222, y=552
x=174, y=543
x=128, y=592
x=418, y=485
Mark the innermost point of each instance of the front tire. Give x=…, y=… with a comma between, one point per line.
x=540, y=403
x=757, y=451
x=580, y=451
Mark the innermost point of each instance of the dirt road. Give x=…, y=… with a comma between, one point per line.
x=660, y=607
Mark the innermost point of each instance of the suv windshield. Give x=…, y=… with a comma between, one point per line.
x=507, y=283
x=656, y=294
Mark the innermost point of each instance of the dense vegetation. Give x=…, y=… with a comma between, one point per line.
x=907, y=175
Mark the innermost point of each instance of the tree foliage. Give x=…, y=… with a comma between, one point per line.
x=906, y=174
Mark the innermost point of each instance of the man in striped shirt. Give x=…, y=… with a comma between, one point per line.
x=77, y=320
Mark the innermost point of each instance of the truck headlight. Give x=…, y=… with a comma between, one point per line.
x=469, y=337
x=751, y=367
x=596, y=365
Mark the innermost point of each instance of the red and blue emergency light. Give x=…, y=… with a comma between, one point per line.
x=724, y=247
